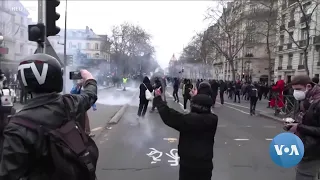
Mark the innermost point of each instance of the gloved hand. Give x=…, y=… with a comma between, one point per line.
x=86, y=75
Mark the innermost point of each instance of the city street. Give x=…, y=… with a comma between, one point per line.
x=147, y=150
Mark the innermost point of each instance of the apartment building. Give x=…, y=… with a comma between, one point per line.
x=13, y=27
x=84, y=41
x=247, y=42
x=292, y=39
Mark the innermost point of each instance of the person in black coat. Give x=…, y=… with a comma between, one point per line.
x=187, y=87
x=197, y=131
x=214, y=88
x=176, y=85
x=143, y=105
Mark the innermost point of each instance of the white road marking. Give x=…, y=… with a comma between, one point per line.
x=241, y=139
x=237, y=109
x=268, y=139
x=96, y=129
x=233, y=104
x=248, y=126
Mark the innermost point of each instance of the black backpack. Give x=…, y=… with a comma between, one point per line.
x=73, y=153
x=254, y=92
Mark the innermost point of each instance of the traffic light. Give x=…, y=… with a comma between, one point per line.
x=51, y=17
x=36, y=32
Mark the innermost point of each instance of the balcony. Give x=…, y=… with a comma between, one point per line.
x=291, y=24
x=300, y=67
x=280, y=68
x=281, y=48
x=289, y=46
x=289, y=67
x=305, y=18
x=282, y=27
x=302, y=43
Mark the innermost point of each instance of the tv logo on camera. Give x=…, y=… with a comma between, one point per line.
x=286, y=150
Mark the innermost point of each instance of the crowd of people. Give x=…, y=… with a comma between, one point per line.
x=49, y=138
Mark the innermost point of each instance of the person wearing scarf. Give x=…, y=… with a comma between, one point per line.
x=306, y=125
x=77, y=90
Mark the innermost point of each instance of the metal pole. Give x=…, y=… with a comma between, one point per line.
x=42, y=19
x=65, y=48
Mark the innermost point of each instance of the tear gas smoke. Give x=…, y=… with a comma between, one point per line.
x=193, y=71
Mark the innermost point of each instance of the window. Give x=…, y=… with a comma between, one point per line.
x=281, y=40
x=290, y=57
x=70, y=45
x=21, y=33
x=21, y=49
x=250, y=50
x=301, y=59
x=88, y=46
x=250, y=37
x=22, y=20
x=280, y=61
x=290, y=37
x=96, y=46
x=79, y=45
x=316, y=75
x=303, y=34
x=88, y=55
x=283, y=19
x=292, y=14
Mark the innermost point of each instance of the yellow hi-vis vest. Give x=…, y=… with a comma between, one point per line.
x=124, y=80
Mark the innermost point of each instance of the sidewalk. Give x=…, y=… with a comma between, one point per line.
x=261, y=107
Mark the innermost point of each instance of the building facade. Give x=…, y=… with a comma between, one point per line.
x=244, y=45
x=296, y=26
x=85, y=41
x=13, y=28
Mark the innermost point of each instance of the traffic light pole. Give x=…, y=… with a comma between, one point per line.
x=65, y=49
x=42, y=19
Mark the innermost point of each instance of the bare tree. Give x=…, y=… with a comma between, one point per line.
x=305, y=11
x=226, y=35
x=129, y=44
x=265, y=21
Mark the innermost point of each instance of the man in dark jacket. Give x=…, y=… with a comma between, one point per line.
x=143, y=104
x=186, y=89
x=214, y=89
x=253, y=96
x=197, y=131
x=237, y=90
x=157, y=85
x=25, y=153
x=223, y=88
x=176, y=85
x=307, y=126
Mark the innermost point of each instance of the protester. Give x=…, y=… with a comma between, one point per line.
x=187, y=87
x=197, y=131
x=176, y=85
x=157, y=85
x=143, y=105
x=223, y=88
x=237, y=90
x=307, y=126
x=29, y=151
x=253, y=96
x=214, y=88
x=77, y=90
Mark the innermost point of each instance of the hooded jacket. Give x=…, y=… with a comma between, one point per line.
x=24, y=152
x=197, y=131
x=205, y=88
x=146, y=84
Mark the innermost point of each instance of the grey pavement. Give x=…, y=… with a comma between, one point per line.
x=240, y=151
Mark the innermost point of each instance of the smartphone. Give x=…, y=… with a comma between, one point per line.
x=75, y=75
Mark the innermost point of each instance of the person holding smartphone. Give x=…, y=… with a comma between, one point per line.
x=306, y=125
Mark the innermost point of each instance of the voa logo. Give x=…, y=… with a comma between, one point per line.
x=286, y=150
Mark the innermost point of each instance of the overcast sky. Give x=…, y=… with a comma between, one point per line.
x=172, y=23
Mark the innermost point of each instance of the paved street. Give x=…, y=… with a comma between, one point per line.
x=241, y=147
x=109, y=103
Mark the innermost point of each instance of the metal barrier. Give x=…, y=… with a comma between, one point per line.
x=290, y=104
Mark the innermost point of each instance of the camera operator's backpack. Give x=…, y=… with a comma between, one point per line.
x=73, y=153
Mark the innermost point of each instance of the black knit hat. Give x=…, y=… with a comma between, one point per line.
x=201, y=103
